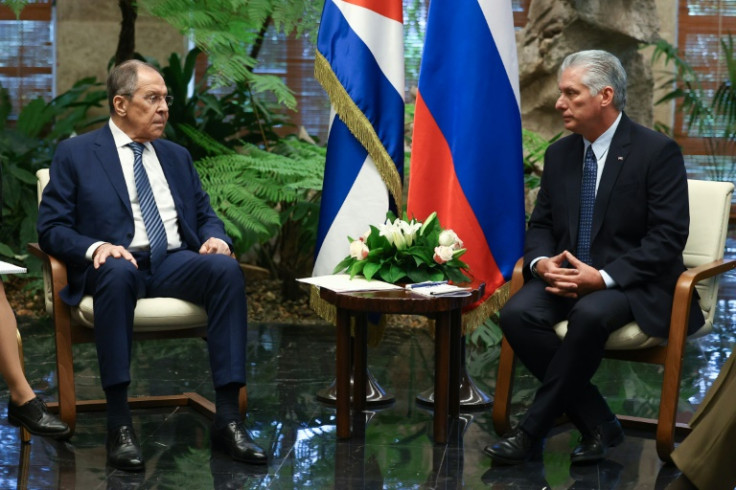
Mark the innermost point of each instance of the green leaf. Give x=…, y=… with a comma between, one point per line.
x=432, y=218
x=422, y=255
x=356, y=268
x=344, y=264
x=370, y=269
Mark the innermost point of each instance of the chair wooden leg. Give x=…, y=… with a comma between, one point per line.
x=25, y=436
x=504, y=388
x=243, y=400
x=65, y=365
x=668, y=402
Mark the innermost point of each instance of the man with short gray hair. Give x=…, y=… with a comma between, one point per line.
x=125, y=210
x=603, y=248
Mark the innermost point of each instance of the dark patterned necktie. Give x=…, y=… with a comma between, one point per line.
x=587, y=201
x=151, y=217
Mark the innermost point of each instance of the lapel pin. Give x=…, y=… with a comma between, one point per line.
x=620, y=159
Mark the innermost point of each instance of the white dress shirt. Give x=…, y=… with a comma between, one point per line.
x=600, y=150
x=159, y=186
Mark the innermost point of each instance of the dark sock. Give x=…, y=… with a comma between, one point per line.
x=226, y=405
x=118, y=411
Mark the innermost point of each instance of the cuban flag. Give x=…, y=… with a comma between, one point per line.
x=466, y=161
x=360, y=64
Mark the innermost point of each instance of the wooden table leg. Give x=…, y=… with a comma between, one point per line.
x=455, y=353
x=360, y=362
x=342, y=374
x=441, y=375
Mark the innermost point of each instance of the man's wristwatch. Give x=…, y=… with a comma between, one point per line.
x=534, y=269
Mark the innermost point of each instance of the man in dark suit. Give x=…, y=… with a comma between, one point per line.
x=603, y=248
x=127, y=213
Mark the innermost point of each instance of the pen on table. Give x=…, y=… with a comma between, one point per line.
x=426, y=284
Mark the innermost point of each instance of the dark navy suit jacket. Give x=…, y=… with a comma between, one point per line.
x=87, y=201
x=640, y=221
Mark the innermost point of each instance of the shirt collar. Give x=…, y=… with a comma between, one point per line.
x=121, y=139
x=603, y=142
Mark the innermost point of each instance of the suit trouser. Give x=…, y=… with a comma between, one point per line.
x=565, y=367
x=213, y=281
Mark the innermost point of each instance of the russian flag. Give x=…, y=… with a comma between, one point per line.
x=360, y=64
x=466, y=161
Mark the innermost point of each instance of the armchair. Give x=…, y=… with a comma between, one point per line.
x=155, y=318
x=710, y=205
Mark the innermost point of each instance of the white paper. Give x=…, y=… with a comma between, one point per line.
x=342, y=283
x=8, y=268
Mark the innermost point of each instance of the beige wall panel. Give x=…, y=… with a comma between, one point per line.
x=668, y=11
x=87, y=37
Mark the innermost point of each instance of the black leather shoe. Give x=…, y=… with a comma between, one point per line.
x=516, y=448
x=594, y=446
x=35, y=417
x=238, y=443
x=123, y=449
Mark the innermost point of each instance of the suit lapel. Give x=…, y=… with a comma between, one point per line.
x=107, y=157
x=616, y=158
x=166, y=159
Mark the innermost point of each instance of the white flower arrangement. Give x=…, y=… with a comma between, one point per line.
x=403, y=250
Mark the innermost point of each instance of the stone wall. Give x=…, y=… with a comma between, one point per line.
x=87, y=37
x=557, y=28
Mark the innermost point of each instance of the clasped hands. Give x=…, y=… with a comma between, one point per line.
x=569, y=282
x=211, y=246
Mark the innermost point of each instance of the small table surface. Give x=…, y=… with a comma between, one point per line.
x=446, y=310
x=399, y=301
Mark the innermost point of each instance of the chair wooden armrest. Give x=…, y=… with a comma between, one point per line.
x=506, y=362
x=57, y=280
x=675, y=351
x=25, y=436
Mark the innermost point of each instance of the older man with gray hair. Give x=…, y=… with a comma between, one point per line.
x=603, y=248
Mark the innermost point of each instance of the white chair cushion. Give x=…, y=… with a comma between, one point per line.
x=151, y=314
x=630, y=336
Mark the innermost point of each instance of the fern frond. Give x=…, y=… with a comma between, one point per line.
x=226, y=30
x=252, y=190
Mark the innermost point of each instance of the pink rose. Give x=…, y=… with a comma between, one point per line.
x=448, y=238
x=442, y=254
x=358, y=249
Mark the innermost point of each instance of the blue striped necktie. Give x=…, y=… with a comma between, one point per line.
x=151, y=217
x=587, y=202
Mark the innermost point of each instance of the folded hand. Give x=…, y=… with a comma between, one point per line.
x=573, y=282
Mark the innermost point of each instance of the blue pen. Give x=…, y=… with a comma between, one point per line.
x=426, y=284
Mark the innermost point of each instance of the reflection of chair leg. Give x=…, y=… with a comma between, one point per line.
x=24, y=466
x=25, y=436
x=352, y=468
x=471, y=397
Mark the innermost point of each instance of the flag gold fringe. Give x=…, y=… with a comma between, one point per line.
x=475, y=318
x=328, y=312
x=359, y=125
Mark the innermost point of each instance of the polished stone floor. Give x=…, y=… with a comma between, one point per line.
x=287, y=365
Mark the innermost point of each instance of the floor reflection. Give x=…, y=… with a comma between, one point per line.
x=392, y=445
